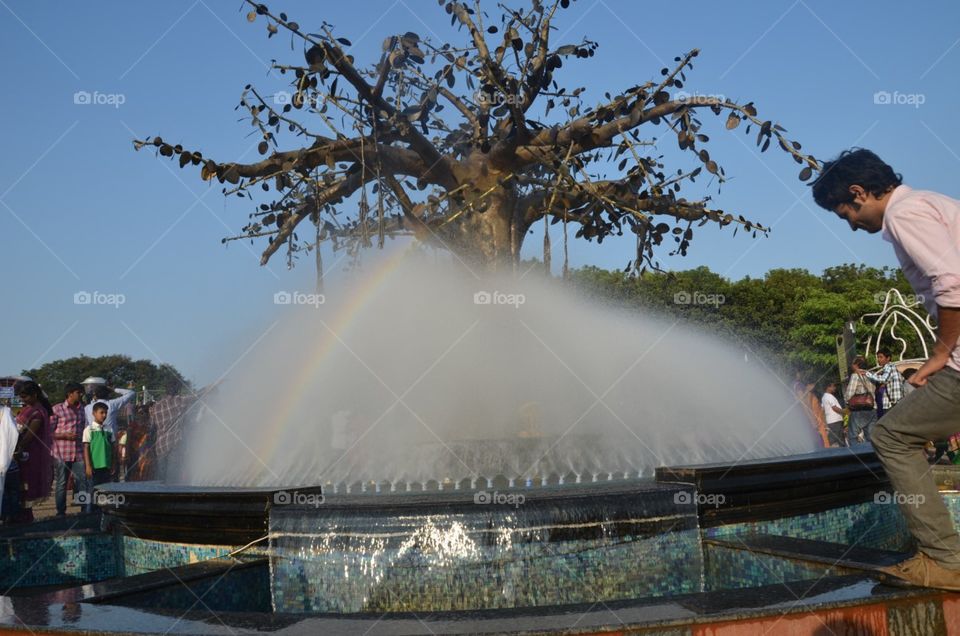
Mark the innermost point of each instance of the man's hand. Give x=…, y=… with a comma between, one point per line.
x=931, y=366
x=948, y=332
x=88, y=471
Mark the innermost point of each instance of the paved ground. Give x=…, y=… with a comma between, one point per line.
x=44, y=508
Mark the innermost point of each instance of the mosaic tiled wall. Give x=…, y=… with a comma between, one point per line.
x=869, y=525
x=726, y=568
x=535, y=573
x=447, y=569
x=56, y=558
x=244, y=589
x=142, y=555
x=952, y=499
x=322, y=578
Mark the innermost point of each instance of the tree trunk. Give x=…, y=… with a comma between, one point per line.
x=490, y=238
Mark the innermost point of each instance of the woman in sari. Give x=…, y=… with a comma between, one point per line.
x=35, y=441
x=811, y=405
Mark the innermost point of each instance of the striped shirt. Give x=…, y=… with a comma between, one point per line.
x=167, y=418
x=891, y=378
x=857, y=385
x=68, y=419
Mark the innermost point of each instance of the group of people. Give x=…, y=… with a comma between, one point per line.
x=54, y=441
x=44, y=447
x=867, y=397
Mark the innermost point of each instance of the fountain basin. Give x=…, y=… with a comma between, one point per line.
x=649, y=555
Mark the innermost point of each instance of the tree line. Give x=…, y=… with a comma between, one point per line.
x=117, y=369
x=791, y=316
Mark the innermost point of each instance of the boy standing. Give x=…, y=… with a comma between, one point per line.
x=99, y=448
x=833, y=415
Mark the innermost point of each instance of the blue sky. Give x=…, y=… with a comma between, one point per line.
x=81, y=211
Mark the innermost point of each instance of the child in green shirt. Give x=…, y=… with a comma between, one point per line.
x=99, y=448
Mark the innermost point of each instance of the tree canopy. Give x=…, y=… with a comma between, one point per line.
x=119, y=370
x=467, y=145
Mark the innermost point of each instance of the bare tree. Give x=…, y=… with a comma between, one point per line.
x=438, y=141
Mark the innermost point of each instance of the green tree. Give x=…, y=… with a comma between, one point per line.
x=791, y=315
x=119, y=370
x=763, y=308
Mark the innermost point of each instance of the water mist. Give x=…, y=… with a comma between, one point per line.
x=410, y=373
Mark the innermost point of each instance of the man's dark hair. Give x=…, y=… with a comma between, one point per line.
x=100, y=406
x=859, y=167
x=908, y=373
x=884, y=351
x=172, y=386
x=101, y=392
x=71, y=387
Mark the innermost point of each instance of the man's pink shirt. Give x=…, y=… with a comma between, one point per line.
x=924, y=228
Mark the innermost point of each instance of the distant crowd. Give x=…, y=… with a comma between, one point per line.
x=98, y=434
x=846, y=419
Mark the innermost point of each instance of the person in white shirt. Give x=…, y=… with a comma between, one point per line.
x=833, y=415
x=8, y=442
x=102, y=394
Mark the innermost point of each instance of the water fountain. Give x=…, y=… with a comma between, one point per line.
x=418, y=374
x=488, y=451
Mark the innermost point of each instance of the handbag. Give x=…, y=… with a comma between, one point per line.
x=861, y=402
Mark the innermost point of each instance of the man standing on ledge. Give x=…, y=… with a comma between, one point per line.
x=924, y=228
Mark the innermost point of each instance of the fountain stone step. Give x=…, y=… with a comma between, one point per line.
x=834, y=555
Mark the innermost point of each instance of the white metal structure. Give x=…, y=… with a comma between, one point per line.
x=898, y=313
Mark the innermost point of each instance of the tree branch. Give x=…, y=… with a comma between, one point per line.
x=588, y=136
x=436, y=163
x=334, y=193
x=534, y=78
x=494, y=74
x=323, y=151
x=410, y=211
